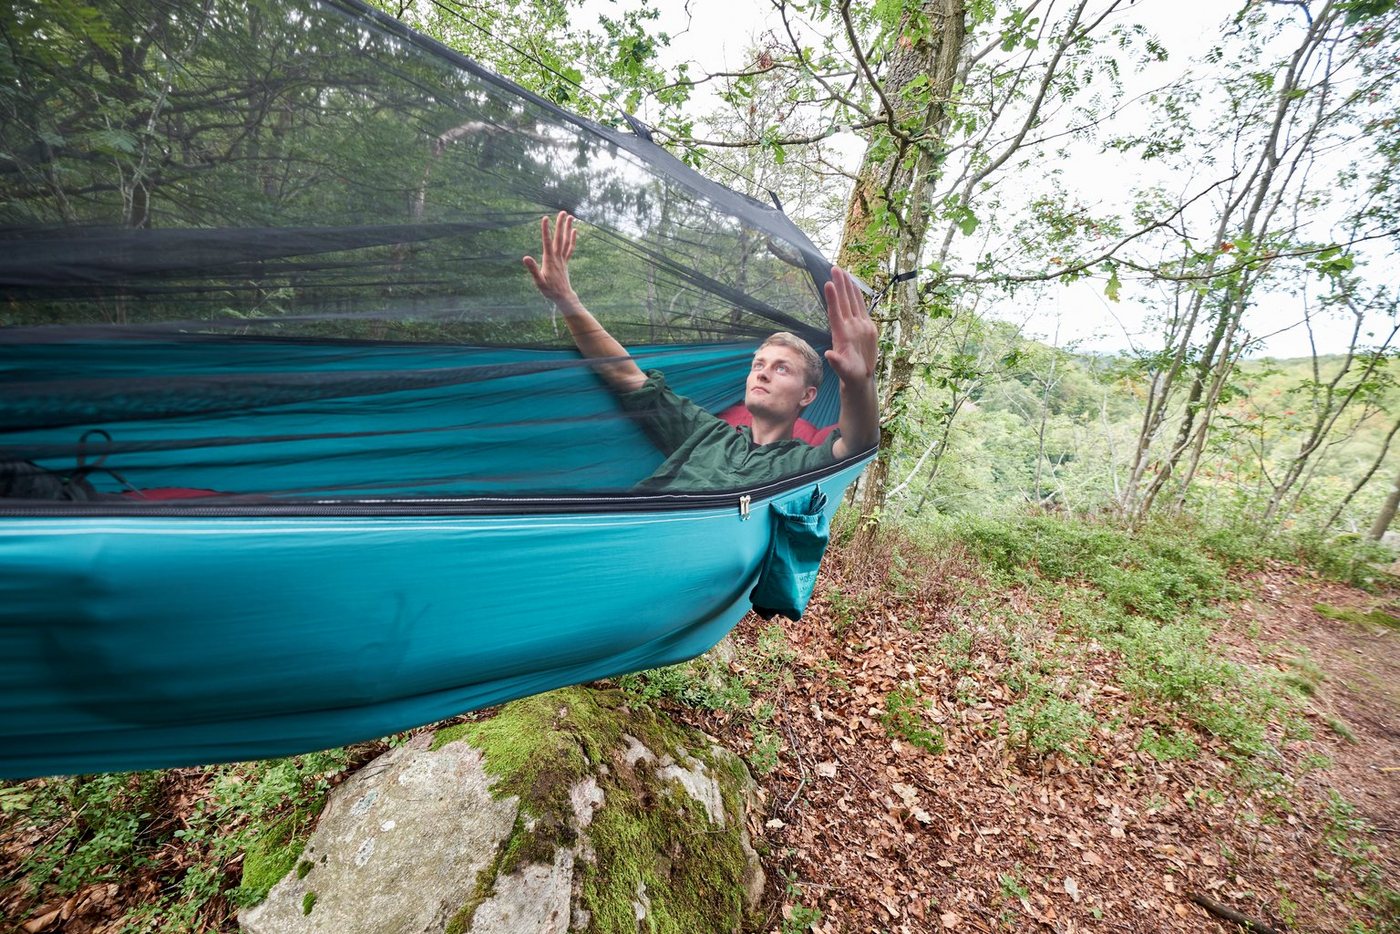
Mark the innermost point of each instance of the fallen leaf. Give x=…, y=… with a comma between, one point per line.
x=1072, y=888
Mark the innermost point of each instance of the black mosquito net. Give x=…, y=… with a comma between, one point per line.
x=272, y=248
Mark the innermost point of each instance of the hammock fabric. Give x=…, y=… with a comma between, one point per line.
x=296, y=455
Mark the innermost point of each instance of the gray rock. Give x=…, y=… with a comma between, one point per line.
x=396, y=850
x=418, y=843
x=532, y=900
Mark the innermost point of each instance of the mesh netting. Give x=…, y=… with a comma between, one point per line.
x=272, y=250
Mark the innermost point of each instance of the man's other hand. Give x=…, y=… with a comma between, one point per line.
x=854, y=338
x=551, y=273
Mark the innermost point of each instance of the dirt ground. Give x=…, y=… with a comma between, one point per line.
x=876, y=833
x=882, y=836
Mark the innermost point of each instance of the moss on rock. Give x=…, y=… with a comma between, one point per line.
x=272, y=854
x=650, y=843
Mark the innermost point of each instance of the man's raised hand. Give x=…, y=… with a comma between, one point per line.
x=854, y=338
x=551, y=273
x=854, y=348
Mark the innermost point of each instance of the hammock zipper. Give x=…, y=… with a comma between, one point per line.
x=250, y=507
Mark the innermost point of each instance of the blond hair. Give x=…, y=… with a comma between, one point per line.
x=811, y=361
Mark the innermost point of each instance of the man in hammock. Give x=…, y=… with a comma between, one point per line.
x=703, y=451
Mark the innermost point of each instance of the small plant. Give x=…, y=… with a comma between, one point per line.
x=1344, y=829
x=1304, y=676
x=903, y=719
x=703, y=683
x=798, y=919
x=1011, y=886
x=845, y=610
x=1314, y=762
x=1165, y=747
x=966, y=692
x=763, y=757
x=899, y=579
x=1042, y=723
x=957, y=649
x=1207, y=797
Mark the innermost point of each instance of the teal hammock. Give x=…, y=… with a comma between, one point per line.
x=296, y=456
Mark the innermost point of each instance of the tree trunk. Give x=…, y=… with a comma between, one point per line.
x=892, y=190
x=1365, y=478
x=1387, y=514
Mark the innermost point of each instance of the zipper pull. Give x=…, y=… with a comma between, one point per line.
x=744, y=502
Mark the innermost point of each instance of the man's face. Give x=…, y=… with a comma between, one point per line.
x=777, y=384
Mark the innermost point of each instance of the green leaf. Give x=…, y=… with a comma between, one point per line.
x=1113, y=286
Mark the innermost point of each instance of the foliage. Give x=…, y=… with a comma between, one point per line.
x=1372, y=617
x=113, y=826
x=1166, y=746
x=1161, y=575
x=1042, y=723
x=1150, y=595
x=903, y=719
x=544, y=46
x=702, y=683
x=97, y=825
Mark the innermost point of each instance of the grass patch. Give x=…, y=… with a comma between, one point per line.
x=1152, y=596
x=1349, y=559
x=1339, y=726
x=1042, y=723
x=1167, y=746
x=1158, y=573
x=1303, y=675
x=903, y=719
x=1369, y=618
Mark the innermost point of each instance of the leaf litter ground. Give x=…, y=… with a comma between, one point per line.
x=987, y=835
x=899, y=798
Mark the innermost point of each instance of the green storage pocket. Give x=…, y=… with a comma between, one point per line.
x=789, y=573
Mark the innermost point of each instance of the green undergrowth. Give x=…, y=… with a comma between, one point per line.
x=1158, y=573
x=644, y=837
x=903, y=719
x=1348, y=559
x=1155, y=597
x=711, y=682
x=1359, y=617
x=114, y=826
x=1352, y=840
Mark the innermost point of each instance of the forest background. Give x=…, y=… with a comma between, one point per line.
x=1044, y=167
x=1055, y=516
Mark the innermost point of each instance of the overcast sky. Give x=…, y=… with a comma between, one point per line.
x=715, y=36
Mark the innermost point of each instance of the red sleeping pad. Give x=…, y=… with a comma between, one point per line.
x=738, y=416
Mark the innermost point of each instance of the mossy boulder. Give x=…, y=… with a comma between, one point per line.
x=592, y=817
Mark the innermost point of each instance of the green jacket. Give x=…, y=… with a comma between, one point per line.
x=704, y=453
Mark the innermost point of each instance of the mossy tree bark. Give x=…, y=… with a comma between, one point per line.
x=888, y=216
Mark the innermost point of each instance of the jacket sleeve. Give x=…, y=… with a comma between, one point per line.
x=667, y=419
